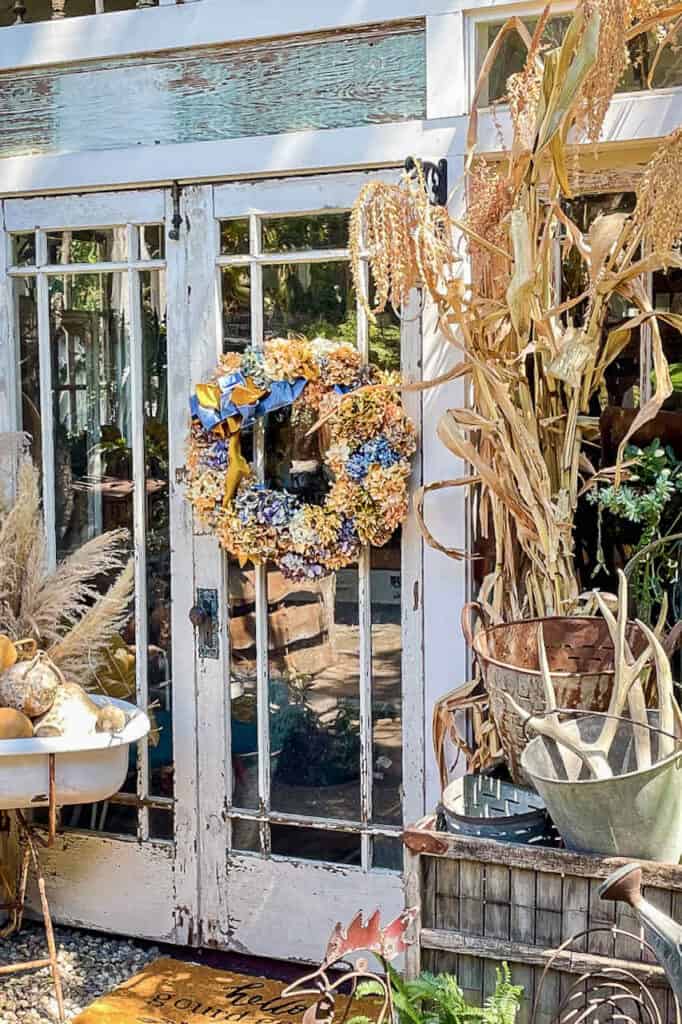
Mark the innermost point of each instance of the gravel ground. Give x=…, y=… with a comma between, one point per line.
x=90, y=965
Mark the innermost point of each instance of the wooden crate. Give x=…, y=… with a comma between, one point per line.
x=481, y=902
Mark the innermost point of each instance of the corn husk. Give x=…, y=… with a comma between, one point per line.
x=534, y=372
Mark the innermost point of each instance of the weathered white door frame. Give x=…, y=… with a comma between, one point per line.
x=252, y=897
x=88, y=873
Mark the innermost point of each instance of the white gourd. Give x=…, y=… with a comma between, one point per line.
x=30, y=686
x=75, y=715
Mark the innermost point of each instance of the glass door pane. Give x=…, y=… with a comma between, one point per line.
x=330, y=662
x=100, y=431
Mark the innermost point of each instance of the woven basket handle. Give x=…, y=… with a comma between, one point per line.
x=470, y=609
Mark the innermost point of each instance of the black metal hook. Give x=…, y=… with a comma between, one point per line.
x=176, y=222
x=435, y=177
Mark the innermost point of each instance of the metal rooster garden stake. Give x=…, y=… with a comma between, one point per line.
x=328, y=982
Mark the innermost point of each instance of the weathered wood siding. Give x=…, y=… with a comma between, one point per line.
x=225, y=92
x=482, y=902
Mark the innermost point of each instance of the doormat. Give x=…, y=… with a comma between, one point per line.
x=173, y=992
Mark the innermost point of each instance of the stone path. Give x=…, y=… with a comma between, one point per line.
x=91, y=965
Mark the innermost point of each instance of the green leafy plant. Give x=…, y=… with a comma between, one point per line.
x=317, y=750
x=645, y=509
x=438, y=999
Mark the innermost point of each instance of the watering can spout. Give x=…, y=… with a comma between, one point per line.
x=663, y=934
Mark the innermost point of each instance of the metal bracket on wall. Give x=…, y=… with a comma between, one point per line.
x=176, y=222
x=435, y=177
x=204, y=618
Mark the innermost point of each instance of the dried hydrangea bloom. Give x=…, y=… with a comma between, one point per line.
x=290, y=359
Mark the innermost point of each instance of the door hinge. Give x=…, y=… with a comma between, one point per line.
x=176, y=222
x=435, y=178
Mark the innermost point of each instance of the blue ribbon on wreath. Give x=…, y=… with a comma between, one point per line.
x=282, y=394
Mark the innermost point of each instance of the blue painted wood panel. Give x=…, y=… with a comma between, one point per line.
x=368, y=77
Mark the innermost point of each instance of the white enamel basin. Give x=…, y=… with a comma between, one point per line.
x=91, y=771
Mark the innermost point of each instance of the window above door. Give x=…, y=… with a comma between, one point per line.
x=25, y=12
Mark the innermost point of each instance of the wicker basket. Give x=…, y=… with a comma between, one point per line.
x=580, y=655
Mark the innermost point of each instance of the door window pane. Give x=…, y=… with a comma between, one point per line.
x=236, y=297
x=313, y=299
x=244, y=724
x=26, y=315
x=90, y=350
x=90, y=353
x=387, y=853
x=296, y=234
x=234, y=237
x=387, y=754
x=386, y=597
x=315, y=704
x=384, y=338
x=315, y=844
x=152, y=242
x=314, y=660
x=24, y=250
x=158, y=553
x=94, y=245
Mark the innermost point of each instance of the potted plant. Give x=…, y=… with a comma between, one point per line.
x=316, y=749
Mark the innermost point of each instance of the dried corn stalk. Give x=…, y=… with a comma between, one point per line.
x=534, y=373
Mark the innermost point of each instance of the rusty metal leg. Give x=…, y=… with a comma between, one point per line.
x=49, y=932
x=29, y=842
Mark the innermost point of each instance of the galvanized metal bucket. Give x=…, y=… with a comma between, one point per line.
x=637, y=813
x=580, y=656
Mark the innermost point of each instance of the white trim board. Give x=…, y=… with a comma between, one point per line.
x=632, y=118
x=204, y=23
x=85, y=212
x=257, y=157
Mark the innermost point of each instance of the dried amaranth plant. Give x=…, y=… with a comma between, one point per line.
x=536, y=372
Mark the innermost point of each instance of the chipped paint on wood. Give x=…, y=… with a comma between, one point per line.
x=300, y=902
x=83, y=873
x=225, y=92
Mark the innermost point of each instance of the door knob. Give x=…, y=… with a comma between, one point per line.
x=204, y=616
x=198, y=616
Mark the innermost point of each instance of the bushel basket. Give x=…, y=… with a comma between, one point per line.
x=580, y=655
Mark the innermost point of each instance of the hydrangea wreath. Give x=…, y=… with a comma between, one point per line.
x=367, y=460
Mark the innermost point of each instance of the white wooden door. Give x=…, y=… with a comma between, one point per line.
x=297, y=836
x=97, y=372
x=290, y=727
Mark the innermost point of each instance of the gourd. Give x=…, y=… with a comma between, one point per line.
x=74, y=715
x=14, y=725
x=30, y=686
x=111, y=719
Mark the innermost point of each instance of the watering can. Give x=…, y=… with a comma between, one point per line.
x=662, y=933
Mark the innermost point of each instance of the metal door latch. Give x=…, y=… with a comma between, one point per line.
x=204, y=618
